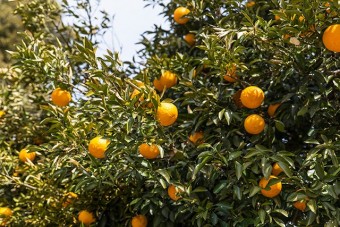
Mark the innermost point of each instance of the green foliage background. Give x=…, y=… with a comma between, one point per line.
x=219, y=178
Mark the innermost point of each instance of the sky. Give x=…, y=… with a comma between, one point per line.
x=130, y=20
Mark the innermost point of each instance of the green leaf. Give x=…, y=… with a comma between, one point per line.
x=312, y=205
x=200, y=166
x=239, y=169
x=279, y=126
x=254, y=190
x=279, y=222
x=262, y=215
x=164, y=174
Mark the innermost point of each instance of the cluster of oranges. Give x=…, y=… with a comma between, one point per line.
x=180, y=17
x=275, y=189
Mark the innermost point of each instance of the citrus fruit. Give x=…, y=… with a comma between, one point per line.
x=157, y=84
x=24, y=155
x=190, y=39
x=276, y=170
x=254, y=124
x=301, y=205
x=277, y=17
x=167, y=113
x=237, y=99
x=86, y=217
x=272, y=109
x=252, y=97
x=5, y=212
x=2, y=113
x=70, y=196
x=61, y=97
x=168, y=79
x=148, y=151
x=179, y=15
x=331, y=37
x=250, y=4
x=274, y=190
x=98, y=146
x=139, y=221
x=231, y=74
x=172, y=192
x=196, y=137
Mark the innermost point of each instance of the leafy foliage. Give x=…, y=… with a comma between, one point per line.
x=218, y=179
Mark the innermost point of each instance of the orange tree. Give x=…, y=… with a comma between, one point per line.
x=236, y=126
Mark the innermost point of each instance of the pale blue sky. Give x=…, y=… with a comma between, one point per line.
x=131, y=19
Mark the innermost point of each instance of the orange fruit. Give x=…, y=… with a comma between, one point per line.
x=286, y=36
x=172, y=192
x=168, y=79
x=254, y=124
x=61, y=97
x=237, y=99
x=196, y=137
x=276, y=170
x=148, y=151
x=179, y=15
x=190, y=39
x=167, y=113
x=250, y=4
x=139, y=221
x=331, y=37
x=157, y=83
x=98, y=146
x=252, y=97
x=24, y=155
x=272, y=109
x=70, y=196
x=301, y=205
x=231, y=74
x=274, y=190
x=5, y=212
x=277, y=17
x=301, y=18
x=86, y=217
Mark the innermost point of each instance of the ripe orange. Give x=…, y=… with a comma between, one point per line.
x=274, y=190
x=300, y=205
x=179, y=15
x=148, y=151
x=277, y=17
x=61, y=97
x=5, y=211
x=167, y=113
x=190, y=39
x=276, y=170
x=70, y=196
x=301, y=18
x=168, y=79
x=86, y=217
x=231, y=74
x=157, y=83
x=98, y=146
x=254, y=124
x=196, y=137
x=252, y=97
x=272, y=109
x=172, y=192
x=139, y=221
x=250, y=4
x=331, y=37
x=24, y=155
